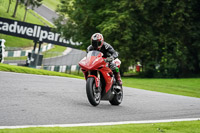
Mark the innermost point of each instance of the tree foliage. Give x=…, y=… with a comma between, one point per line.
x=163, y=35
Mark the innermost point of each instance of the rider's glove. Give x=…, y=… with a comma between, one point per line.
x=109, y=59
x=112, y=66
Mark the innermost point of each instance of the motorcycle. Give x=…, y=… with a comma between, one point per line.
x=100, y=80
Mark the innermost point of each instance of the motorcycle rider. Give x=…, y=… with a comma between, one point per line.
x=98, y=43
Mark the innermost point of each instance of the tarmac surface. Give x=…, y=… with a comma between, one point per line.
x=28, y=99
x=46, y=13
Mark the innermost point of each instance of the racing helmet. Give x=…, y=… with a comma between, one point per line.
x=97, y=41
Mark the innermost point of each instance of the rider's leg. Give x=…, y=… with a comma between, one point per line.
x=118, y=78
x=116, y=72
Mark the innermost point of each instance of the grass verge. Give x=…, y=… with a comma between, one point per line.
x=32, y=17
x=20, y=69
x=186, y=87
x=52, y=4
x=16, y=58
x=171, y=127
x=56, y=51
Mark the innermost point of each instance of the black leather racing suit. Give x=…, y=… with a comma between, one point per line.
x=107, y=51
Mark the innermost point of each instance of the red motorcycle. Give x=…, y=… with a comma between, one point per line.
x=100, y=80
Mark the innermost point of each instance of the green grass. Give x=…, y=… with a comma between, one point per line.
x=51, y=3
x=186, y=87
x=12, y=41
x=16, y=58
x=56, y=51
x=20, y=13
x=20, y=69
x=171, y=127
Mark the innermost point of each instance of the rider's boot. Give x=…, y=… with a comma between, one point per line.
x=118, y=78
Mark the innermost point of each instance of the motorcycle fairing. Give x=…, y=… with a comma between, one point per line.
x=107, y=76
x=92, y=63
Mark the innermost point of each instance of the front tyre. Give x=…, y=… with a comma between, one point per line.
x=93, y=93
x=118, y=97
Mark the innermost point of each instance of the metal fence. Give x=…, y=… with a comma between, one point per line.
x=67, y=63
x=53, y=61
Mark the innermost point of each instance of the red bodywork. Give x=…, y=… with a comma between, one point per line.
x=95, y=62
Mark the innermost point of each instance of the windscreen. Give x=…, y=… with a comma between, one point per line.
x=93, y=53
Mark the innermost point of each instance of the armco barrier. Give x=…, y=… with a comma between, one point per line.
x=64, y=69
x=25, y=52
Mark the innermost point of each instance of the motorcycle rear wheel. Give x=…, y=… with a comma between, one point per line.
x=118, y=97
x=93, y=93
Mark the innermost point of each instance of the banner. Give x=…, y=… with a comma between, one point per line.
x=33, y=32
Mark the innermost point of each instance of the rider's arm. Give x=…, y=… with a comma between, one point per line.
x=90, y=48
x=114, y=53
x=111, y=50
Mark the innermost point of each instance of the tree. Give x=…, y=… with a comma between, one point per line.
x=88, y=17
x=31, y=3
x=27, y=4
x=26, y=9
x=15, y=10
x=10, y=1
x=163, y=35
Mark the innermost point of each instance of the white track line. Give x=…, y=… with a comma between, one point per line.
x=100, y=124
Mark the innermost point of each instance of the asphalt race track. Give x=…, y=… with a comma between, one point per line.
x=71, y=58
x=47, y=13
x=28, y=99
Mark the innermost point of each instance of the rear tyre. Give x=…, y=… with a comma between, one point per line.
x=93, y=93
x=118, y=97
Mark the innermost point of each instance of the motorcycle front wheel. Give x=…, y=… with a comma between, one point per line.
x=93, y=93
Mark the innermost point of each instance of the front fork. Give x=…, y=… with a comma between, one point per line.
x=97, y=78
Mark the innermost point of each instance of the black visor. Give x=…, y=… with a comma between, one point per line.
x=96, y=44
